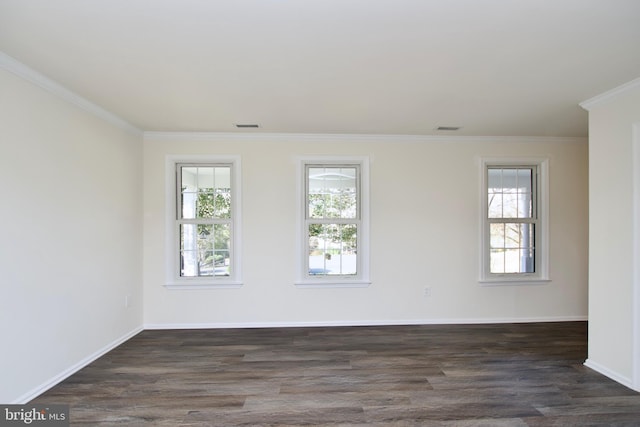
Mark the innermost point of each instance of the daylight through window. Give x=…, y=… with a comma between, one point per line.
x=332, y=219
x=512, y=219
x=204, y=220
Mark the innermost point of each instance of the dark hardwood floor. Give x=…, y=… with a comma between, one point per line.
x=433, y=375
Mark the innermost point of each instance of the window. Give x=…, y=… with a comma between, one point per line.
x=203, y=235
x=334, y=222
x=514, y=210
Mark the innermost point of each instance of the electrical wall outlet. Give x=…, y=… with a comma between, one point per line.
x=427, y=292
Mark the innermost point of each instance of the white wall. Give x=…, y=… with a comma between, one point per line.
x=425, y=214
x=71, y=229
x=611, y=258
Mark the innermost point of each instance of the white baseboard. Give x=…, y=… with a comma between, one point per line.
x=32, y=394
x=625, y=381
x=329, y=323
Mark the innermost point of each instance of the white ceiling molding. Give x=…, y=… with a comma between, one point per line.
x=316, y=138
x=610, y=94
x=19, y=69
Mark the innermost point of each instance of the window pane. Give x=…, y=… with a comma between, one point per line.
x=509, y=204
x=189, y=189
x=495, y=205
x=525, y=193
x=222, y=265
x=512, y=248
x=332, y=192
x=222, y=246
x=496, y=261
x=189, y=179
x=496, y=232
x=205, y=264
x=206, y=192
x=510, y=192
x=512, y=236
x=317, y=203
x=188, y=250
x=332, y=249
x=205, y=206
x=511, y=261
x=222, y=177
x=205, y=249
x=222, y=204
x=494, y=180
x=205, y=179
x=222, y=192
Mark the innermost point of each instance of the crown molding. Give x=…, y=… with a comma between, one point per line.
x=14, y=66
x=609, y=95
x=152, y=136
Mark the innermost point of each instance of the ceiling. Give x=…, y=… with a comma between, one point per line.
x=493, y=67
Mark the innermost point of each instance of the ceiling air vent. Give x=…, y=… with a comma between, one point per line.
x=247, y=126
x=449, y=128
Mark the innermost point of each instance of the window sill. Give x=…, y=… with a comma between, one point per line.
x=320, y=283
x=513, y=281
x=202, y=286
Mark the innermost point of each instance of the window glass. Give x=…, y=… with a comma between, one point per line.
x=510, y=193
x=511, y=219
x=205, y=220
x=332, y=218
x=512, y=248
x=332, y=192
x=333, y=249
x=205, y=192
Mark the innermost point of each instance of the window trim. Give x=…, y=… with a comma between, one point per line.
x=541, y=204
x=362, y=278
x=173, y=280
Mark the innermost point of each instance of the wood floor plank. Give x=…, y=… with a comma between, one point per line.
x=418, y=375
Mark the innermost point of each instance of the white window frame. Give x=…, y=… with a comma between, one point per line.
x=541, y=206
x=172, y=240
x=362, y=278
